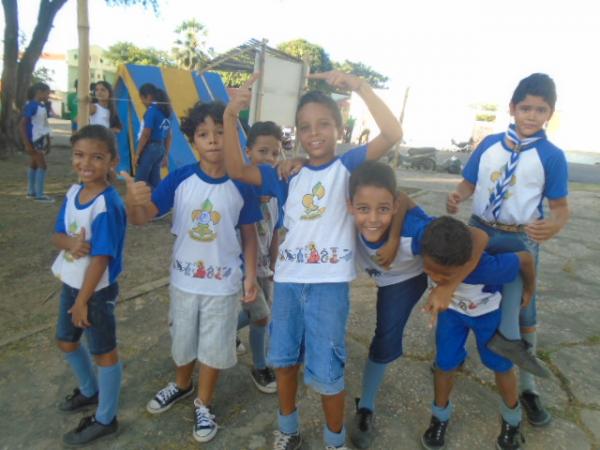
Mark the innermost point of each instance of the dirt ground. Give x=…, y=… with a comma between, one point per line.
x=33, y=376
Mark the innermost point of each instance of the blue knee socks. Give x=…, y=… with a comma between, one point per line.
x=511, y=307
x=289, y=424
x=257, y=345
x=109, y=379
x=81, y=364
x=372, y=379
x=31, y=181
x=442, y=414
x=40, y=182
x=511, y=416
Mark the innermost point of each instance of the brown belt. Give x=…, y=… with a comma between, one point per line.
x=500, y=226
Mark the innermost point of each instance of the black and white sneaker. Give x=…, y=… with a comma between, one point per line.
x=284, y=441
x=361, y=434
x=76, y=401
x=205, y=427
x=510, y=437
x=264, y=380
x=433, y=438
x=537, y=415
x=89, y=431
x=167, y=397
x=240, y=348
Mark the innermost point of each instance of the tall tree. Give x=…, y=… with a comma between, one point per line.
x=316, y=57
x=190, y=50
x=17, y=72
x=127, y=53
x=374, y=78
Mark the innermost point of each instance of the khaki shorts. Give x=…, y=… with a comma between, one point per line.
x=261, y=307
x=203, y=328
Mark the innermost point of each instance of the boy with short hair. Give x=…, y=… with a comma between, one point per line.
x=206, y=267
x=35, y=134
x=446, y=246
x=509, y=175
x=263, y=147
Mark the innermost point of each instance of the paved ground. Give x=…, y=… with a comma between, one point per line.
x=33, y=376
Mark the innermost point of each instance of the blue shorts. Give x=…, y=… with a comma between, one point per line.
x=308, y=323
x=394, y=305
x=506, y=241
x=451, y=337
x=101, y=336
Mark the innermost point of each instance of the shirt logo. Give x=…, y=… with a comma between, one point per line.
x=312, y=254
x=203, y=223
x=73, y=230
x=496, y=175
x=309, y=201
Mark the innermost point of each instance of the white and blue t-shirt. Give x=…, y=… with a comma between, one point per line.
x=320, y=242
x=37, y=120
x=105, y=222
x=542, y=171
x=408, y=262
x=267, y=227
x=157, y=122
x=207, y=256
x=481, y=292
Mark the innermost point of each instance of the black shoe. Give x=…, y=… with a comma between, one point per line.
x=510, y=437
x=362, y=428
x=76, y=401
x=167, y=397
x=433, y=439
x=537, y=415
x=518, y=351
x=88, y=431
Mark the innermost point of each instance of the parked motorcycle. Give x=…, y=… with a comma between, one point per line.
x=465, y=146
x=421, y=158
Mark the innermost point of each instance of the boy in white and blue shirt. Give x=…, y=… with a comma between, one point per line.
x=206, y=265
x=509, y=175
x=35, y=134
x=445, y=246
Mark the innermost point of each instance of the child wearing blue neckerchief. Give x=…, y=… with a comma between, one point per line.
x=509, y=175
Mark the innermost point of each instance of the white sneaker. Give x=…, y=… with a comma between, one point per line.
x=44, y=199
x=240, y=348
x=167, y=397
x=205, y=427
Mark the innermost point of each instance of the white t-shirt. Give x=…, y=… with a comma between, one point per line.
x=101, y=116
x=541, y=172
x=207, y=256
x=407, y=264
x=320, y=242
x=105, y=222
x=266, y=229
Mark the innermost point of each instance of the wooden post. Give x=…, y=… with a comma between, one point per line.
x=83, y=86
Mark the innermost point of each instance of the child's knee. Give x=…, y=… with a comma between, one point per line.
x=262, y=322
x=107, y=359
x=67, y=347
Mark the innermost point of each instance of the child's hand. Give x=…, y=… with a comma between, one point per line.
x=79, y=314
x=242, y=97
x=387, y=253
x=250, y=290
x=340, y=80
x=452, y=202
x=437, y=302
x=288, y=167
x=138, y=192
x=542, y=230
x=79, y=247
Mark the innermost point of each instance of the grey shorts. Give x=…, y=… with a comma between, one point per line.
x=203, y=328
x=261, y=307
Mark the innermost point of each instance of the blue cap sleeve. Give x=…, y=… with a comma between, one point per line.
x=250, y=212
x=354, y=157
x=163, y=196
x=557, y=176
x=108, y=231
x=59, y=227
x=271, y=184
x=471, y=170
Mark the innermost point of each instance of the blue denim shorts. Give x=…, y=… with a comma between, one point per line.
x=101, y=336
x=308, y=323
x=394, y=305
x=451, y=336
x=506, y=241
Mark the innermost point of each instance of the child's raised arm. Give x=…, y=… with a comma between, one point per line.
x=250, y=249
x=138, y=201
x=390, y=129
x=234, y=163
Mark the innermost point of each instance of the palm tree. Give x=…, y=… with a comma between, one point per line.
x=190, y=46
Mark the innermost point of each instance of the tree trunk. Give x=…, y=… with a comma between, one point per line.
x=83, y=86
x=9, y=76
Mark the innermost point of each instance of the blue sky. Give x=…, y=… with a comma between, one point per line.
x=451, y=53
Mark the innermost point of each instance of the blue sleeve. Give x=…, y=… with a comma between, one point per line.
x=496, y=269
x=163, y=196
x=250, y=212
x=556, y=172
x=150, y=117
x=59, y=227
x=271, y=184
x=354, y=157
x=30, y=109
x=108, y=231
x=471, y=170
x=417, y=232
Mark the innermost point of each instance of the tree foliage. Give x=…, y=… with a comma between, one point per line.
x=374, y=78
x=318, y=60
x=190, y=51
x=124, y=52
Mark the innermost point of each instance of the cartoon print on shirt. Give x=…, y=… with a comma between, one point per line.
x=313, y=257
x=261, y=225
x=200, y=270
x=496, y=175
x=203, y=223
x=312, y=209
x=72, y=231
